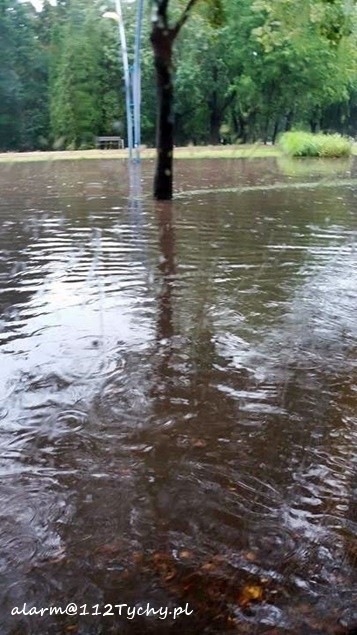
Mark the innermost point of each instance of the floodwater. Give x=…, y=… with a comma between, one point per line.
x=178, y=398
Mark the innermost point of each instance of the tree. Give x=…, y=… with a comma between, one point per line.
x=203, y=86
x=23, y=78
x=162, y=39
x=32, y=69
x=311, y=44
x=85, y=76
x=163, y=36
x=249, y=67
x=9, y=82
x=75, y=92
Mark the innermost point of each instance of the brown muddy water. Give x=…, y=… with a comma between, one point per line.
x=178, y=399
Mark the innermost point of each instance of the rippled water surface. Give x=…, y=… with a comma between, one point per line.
x=178, y=397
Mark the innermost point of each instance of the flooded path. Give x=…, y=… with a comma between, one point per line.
x=178, y=398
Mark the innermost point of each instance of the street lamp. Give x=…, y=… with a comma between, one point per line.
x=137, y=78
x=132, y=77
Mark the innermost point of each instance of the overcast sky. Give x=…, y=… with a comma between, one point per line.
x=38, y=4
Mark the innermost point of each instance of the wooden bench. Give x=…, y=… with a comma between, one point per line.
x=109, y=143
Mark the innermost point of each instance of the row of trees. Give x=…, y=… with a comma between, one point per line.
x=245, y=70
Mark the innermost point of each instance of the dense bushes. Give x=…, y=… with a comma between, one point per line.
x=305, y=144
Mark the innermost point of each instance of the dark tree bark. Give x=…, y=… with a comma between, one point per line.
x=162, y=40
x=215, y=111
x=313, y=125
x=266, y=132
x=243, y=129
x=275, y=131
x=289, y=120
x=215, y=124
x=315, y=121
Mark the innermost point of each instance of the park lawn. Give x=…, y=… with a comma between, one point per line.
x=256, y=151
x=189, y=152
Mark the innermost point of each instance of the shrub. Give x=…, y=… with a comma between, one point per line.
x=306, y=144
x=335, y=146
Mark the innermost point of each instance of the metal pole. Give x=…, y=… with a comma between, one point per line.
x=137, y=79
x=127, y=82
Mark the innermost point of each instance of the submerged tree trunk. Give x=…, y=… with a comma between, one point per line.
x=162, y=40
x=164, y=215
x=162, y=43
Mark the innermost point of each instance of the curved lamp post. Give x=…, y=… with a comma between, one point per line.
x=132, y=77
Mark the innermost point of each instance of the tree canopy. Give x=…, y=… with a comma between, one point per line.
x=244, y=71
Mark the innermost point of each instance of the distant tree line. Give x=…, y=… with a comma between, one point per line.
x=245, y=71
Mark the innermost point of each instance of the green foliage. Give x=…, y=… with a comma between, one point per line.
x=9, y=84
x=299, y=69
x=76, y=91
x=23, y=78
x=305, y=144
x=215, y=13
x=203, y=85
x=250, y=68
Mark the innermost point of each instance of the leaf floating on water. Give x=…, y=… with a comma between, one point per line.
x=250, y=593
x=199, y=443
x=185, y=554
x=250, y=556
x=164, y=565
x=209, y=566
x=137, y=557
x=110, y=549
